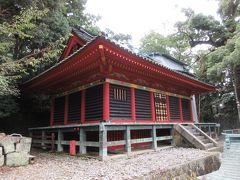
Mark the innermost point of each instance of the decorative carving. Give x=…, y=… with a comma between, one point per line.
x=140, y=81
x=119, y=75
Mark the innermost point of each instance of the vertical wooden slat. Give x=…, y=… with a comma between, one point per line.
x=83, y=106
x=106, y=101
x=168, y=109
x=66, y=110
x=133, y=107
x=52, y=112
x=180, y=108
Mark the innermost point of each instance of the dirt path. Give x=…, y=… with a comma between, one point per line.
x=62, y=166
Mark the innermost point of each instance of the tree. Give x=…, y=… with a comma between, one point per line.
x=122, y=39
x=222, y=60
x=32, y=36
x=174, y=44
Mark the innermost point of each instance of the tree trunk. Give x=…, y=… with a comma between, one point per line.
x=236, y=86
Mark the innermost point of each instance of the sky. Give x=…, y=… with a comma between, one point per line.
x=138, y=17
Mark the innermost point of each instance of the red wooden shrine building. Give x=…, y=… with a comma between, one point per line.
x=98, y=81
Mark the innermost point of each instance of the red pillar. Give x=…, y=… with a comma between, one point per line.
x=106, y=101
x=180, y=107
x=83, y=106
x=152, y=106
x=52, y=112
x=168, y=109
x=66, y=110
x=133, y=107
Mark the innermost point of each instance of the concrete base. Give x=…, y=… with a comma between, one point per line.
x=17, y=159
x=190, y=170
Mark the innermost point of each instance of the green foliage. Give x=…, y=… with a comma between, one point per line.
x=123, y=39
x=220, y=63
x=32, y=37
x=174, y=44
x=155, y=42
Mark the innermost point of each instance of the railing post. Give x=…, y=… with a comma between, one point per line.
x=154, y=138
x=215, y=132
x=59, y=142
x=127, y=138
x=82, y=140
x=102, y=141
x=31, y=134
x=209, y=131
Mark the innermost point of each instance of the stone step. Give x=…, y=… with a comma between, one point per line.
x=209, y=145
x=205, y=141
x=200, y=137
x=196, y=134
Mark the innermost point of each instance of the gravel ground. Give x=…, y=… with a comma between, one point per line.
x=62, y=166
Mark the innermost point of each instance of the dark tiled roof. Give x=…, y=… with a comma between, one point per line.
x=83, y=33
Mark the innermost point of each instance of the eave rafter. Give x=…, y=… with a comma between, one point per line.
x=150, y=68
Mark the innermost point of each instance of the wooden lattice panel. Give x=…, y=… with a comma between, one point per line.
x=74, y=107
x=58, y=115
x=160, y=107
x=174, y=108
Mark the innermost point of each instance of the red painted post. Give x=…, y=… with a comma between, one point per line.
x=66, y=110
x=152, y=106
x=168, y=109
x=106, y=101
x=52, y=112
x=133, y=107
x=180, y=107
x=72, y=147
x=83, y=106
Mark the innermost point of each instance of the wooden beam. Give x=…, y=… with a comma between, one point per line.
x=152, y=106
x=106, y=104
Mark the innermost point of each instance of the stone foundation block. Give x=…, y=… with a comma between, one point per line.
x=24, y=145
x=1, y=160
x=17, y=159
x=1, y=151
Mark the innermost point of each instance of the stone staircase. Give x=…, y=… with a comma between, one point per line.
x=230, y=166
x=196, y=137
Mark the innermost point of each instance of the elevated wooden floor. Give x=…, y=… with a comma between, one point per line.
x=58, y=137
